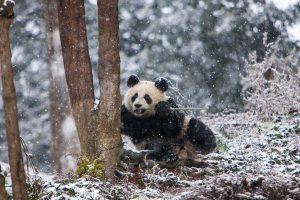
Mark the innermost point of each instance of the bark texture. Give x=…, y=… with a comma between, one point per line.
x=10, y=106
x=109, y=77
x=58, y=91
x=78, y=70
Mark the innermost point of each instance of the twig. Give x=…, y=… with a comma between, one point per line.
x=29, y=160
x=188, y=109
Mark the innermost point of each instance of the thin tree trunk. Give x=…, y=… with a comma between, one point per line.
x=10, y=106
x=109, y=77
x=78, y=72
x=58, y=91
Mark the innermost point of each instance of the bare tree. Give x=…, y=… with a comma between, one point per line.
x=98, y=130
x=58, y=91
x=10, y=104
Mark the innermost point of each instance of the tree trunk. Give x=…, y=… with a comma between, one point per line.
x=109, y=77
x=78, y=71
x=10, y=106
x=99, y=130
x=58, y=91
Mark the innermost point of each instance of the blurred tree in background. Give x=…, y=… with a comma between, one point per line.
x=199, y=45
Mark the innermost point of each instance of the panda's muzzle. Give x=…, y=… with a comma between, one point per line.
x=139, y=110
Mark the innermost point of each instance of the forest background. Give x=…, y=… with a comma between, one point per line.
x=200, y=46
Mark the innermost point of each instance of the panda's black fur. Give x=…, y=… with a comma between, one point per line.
x=152, y=125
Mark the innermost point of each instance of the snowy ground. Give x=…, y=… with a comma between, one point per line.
x=254, y=160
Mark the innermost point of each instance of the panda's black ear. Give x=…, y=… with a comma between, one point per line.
x=132, y=80
x=161, y=83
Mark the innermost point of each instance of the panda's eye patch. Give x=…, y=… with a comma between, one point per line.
x=148, y=99
x=133, y=98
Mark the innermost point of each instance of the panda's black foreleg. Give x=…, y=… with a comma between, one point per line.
x=201, y=136
x=170, y=122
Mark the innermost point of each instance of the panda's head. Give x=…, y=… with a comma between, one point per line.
x=142, y=96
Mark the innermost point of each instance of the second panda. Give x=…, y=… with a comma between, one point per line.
x=168, y=135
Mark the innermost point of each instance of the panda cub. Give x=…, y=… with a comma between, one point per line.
x=167, y=135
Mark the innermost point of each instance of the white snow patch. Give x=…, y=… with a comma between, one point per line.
x=6, y=1
x=32, y=28
x=294, y=32
x=96, y=104
x=128, y=144
x=283, y=5
x=167, y=10
x=228, y=4
x=256, y=9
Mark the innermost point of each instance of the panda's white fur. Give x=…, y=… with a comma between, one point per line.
x=143, y=88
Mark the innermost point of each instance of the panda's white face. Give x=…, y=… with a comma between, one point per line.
x=141, y=99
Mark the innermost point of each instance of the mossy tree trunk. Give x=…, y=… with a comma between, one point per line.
x=10, y=105
x=98, y=130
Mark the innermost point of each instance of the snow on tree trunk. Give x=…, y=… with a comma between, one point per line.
x=109, y=77
x=10, y=105
x=58, y=91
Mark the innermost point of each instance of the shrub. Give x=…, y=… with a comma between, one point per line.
x=271, y=87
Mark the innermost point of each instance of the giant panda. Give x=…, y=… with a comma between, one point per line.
x=166, y=134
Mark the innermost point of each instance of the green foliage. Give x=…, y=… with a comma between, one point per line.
x=296, y=128
x=94, y=168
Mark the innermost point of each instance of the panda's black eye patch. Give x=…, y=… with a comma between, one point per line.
x=133, y=98
x=148, y=99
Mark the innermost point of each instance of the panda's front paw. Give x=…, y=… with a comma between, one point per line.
x=162, y=108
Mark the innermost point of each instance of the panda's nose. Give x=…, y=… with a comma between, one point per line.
x=137, y=105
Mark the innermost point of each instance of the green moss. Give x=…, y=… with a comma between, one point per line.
x=222, y=148
x=82, y=167
x=94, y=168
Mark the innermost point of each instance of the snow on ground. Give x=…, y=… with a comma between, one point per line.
x=259, y=160
x=254, y=160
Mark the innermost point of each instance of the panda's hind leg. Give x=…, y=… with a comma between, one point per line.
x=201, y=136
x=161, y=152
